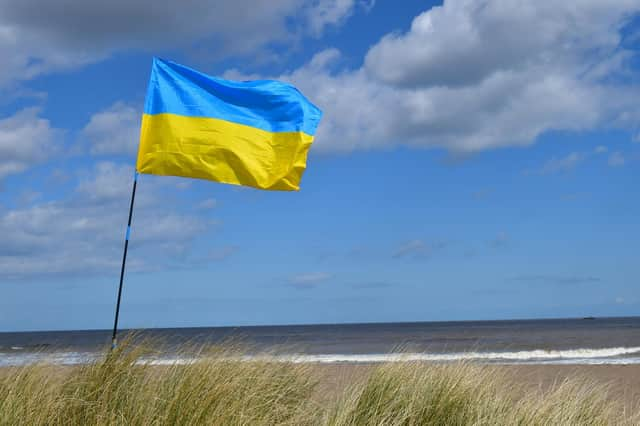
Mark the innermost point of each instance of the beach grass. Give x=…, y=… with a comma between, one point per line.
x=468, y=394
x=220, y=388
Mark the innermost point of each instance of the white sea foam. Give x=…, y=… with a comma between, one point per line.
x=60, y=358
x=613, y=356
x=603, y=356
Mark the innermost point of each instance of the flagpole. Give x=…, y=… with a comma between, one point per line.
x=124, y=260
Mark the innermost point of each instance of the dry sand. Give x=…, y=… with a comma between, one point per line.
x=623, y=381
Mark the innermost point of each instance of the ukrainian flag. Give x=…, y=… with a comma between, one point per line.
x=251, y=133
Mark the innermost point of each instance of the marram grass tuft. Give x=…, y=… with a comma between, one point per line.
x=220, y=388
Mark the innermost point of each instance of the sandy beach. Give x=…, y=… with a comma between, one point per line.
x=622, y=381
x=231, y=392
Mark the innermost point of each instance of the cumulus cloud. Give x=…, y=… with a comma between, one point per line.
x=470, y=76
x=83, y=233
x=114, y=130
x=25, y=139
x=108, y=182
x=321, y=14
x=463, y=42
x=38, y=37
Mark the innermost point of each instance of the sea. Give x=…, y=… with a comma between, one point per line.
x=541, y=341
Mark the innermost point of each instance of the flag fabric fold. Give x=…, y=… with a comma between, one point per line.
x=251, y=133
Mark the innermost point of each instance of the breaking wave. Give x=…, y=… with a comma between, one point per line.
x=617, y=356
x=536, y=356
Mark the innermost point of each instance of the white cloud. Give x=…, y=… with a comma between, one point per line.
x=563, y=164
x=471, y=76
x=222, y=253
x=25, y=139
x=309, y=280
x=208, y=204
x=38, y=37
x=572, y=160
x=626, y=300
x=84, y=232
x=463, y=42
x=417, y=249
x=330, y=12
x=411, y=248
x=114, y=130
x=108, y=182
x=616, y=159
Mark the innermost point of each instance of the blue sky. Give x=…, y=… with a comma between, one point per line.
x=477, y=160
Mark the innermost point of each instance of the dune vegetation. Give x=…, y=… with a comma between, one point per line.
x=220, y=388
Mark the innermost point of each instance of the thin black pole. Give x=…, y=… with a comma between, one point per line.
x=124, y=260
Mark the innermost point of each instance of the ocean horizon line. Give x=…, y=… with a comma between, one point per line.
x=327, y=324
